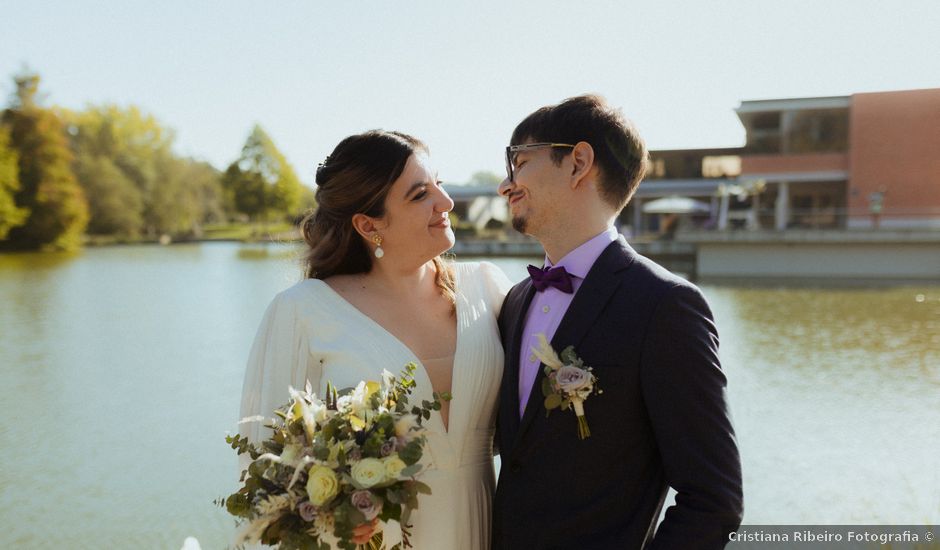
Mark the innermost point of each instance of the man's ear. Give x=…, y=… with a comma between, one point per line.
x=583, y=164
x=365, y=226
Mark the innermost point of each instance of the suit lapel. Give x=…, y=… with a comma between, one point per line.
x=596, y=290
x=511, y=384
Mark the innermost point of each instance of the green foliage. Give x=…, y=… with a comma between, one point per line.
x=238, y=504
x=411, y=453
x=124, y=157
x=569, y=357
x=299, y=541
x=48, y=190
x=10, y=214
x=261, y=183
x=242, y=445
x=115, y=203
x=552, y=401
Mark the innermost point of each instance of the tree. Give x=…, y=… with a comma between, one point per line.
x=115, y=203
x=10, y=214
x=205, y=183
x=133, y=144
x=261, y=182
x=189, y=195
x=49, y=191
x=127, y=154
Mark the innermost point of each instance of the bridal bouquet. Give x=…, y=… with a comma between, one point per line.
x=334, y=466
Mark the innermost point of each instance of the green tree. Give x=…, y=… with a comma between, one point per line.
x=189, y=195
x=115, y=203
x=135, y=145
x=261, y=183
x=57, y=209
x=128, y=155
x=10, y=214
x=205, y=183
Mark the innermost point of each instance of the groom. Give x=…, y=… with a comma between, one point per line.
x=658, y=417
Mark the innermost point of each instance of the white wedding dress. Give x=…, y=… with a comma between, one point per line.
x=310, y=332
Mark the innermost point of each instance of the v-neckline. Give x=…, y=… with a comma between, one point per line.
x=417, y=360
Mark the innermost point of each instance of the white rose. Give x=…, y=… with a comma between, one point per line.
x=368, y=472
x=394, y=466
x=322, y=485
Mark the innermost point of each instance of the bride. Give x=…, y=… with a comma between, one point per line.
x=378, y=295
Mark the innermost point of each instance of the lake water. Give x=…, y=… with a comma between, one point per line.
x=122, y=370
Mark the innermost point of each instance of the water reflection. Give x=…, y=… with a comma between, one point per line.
x=122, y=371
x=833, y=393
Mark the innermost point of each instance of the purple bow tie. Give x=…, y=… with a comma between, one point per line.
x=556, y=277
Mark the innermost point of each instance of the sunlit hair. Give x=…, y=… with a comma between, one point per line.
x=355, y=179
x=619, y=151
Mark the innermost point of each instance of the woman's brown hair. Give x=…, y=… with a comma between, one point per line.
x=355, y=179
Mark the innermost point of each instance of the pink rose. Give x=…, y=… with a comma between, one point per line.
x=571, y=379
x=365, y=503
x=307, y=511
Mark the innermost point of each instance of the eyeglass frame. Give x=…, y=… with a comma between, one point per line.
x=510, y=149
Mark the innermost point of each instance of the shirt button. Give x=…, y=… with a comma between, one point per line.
x=532, y=358
x=546, y=309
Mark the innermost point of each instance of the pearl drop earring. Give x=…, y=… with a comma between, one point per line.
x=377, y=239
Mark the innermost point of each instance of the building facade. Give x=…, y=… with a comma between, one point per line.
x=869, y=160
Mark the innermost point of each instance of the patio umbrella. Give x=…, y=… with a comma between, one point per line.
x=676, y=205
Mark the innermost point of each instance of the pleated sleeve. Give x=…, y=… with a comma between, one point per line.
x=279, y=358
x=495, y=284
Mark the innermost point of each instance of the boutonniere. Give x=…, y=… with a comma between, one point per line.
x=567, y=383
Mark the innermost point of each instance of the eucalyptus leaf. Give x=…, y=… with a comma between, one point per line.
x=411, y=470
x=568, y=356
x=552, y=401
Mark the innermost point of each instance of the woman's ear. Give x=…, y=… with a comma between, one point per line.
x=365, y=226
x=583, y=163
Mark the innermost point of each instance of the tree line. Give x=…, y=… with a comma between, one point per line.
x=110, y=171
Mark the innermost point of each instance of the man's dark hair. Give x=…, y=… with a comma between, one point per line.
x=619, y=151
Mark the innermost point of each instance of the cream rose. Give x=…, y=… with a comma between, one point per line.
x=368, y=472
x=394, y=466
x=322, y=485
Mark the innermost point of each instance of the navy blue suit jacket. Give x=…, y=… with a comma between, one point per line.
x=662, y=421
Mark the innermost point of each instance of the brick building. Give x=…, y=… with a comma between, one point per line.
x=860, y=161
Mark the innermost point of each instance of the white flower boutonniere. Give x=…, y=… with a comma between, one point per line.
x=567, y=383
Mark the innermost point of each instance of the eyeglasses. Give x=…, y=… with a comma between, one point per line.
x=511, y=151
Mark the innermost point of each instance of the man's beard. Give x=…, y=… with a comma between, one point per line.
x=519, y=223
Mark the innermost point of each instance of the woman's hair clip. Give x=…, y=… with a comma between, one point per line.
x=323, y=164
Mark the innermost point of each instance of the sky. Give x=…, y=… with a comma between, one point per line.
x=458, y=75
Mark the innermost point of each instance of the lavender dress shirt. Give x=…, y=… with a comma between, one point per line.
x=548, y=307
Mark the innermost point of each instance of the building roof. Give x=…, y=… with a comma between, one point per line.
x=793, y=104
x=697, y=187
x=816, y=175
